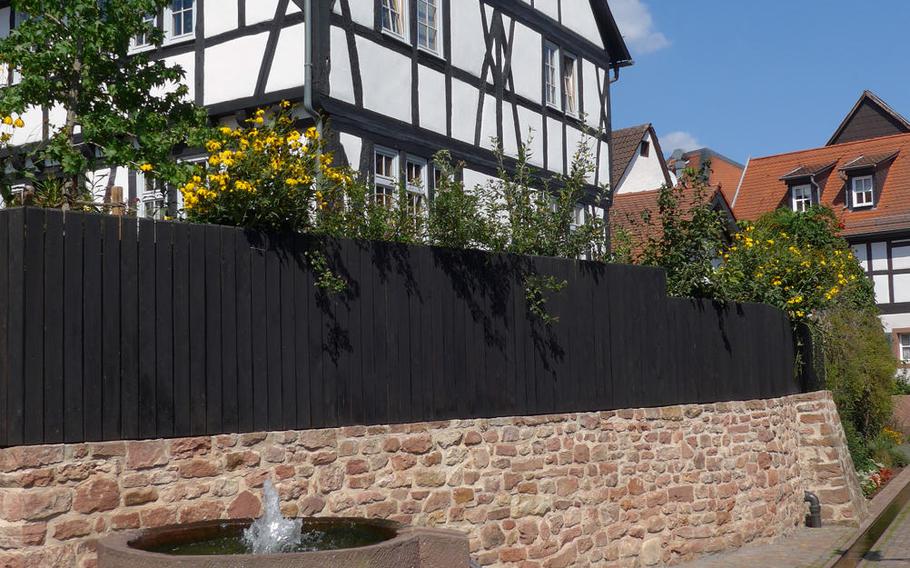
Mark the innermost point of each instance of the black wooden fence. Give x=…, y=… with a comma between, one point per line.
x=113, y=328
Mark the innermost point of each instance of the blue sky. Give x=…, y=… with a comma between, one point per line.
x=754, y=78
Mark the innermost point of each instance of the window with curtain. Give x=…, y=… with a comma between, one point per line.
x=393, y=17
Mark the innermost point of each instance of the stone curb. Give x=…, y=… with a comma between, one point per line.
x=876, y=507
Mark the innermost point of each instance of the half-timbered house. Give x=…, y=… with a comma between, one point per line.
x=863, y=174
x=398, y=80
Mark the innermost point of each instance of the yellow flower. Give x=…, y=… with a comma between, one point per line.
x=213, y=145
x=312, y=133
x=225, y=130
x=19, y=123
x=146, y=167
x=8, y=120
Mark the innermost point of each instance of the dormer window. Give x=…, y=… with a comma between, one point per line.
x=862, y=191
x=801, y=197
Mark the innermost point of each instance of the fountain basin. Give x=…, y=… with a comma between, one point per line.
x=394, y=546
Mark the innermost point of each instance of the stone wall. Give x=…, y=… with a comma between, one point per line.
x=625, y=488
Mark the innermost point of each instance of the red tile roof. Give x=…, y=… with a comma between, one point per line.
x=625, y=144
x=763, y=190
x=627, y=210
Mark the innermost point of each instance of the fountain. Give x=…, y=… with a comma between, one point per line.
x=273, y=541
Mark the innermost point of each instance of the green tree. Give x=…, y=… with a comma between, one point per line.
x=797, y=262
x=121, y=108
x=684, y=237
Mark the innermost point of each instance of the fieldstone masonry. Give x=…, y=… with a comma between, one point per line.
x=625, y=488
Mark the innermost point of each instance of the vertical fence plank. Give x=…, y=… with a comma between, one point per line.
x=92, y=308
x=53, y=328
x=164, y=328
x=4, y=329
x=288, y=314
x=302, y=292
x=229, y=308
x=273, y=332
x=33, y=371
x=129, y=328
x=73, y=330
x=260, y=338
x=183, y=341
x=368, y=291
x=214, y=401
x=110, y=338
x=148, y=405
x=16, y=345
x=353, y=296
x=198, y=332
x=244, y=333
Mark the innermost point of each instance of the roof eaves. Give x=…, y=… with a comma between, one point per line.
x=612, y=36
x=867, y=95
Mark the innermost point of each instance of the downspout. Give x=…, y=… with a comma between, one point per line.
x=308, y=50
x=607, y=202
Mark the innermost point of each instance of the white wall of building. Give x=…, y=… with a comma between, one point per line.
x=645, y=173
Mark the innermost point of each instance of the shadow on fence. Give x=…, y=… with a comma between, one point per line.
x=117, y=328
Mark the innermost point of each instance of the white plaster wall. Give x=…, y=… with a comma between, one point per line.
x=362, y=12
x=879, y=256
x=527, y=60
x=287, y=67
x=574, y=139
x=259, y=11
x=387, y=80
x=592, y=75
x=509, y=142
x=464, y=110
x=340, y=75
x=554, y=146
x=644, y=173
x=578, y=17
x=489, y=131
x=432, y=99
x=550, y=7
x=220, y=17
x=895, y=321
x=32, y=132
x=352, y=147
x=187, y=62
x=604, y=168
x=531, y=129
x=231, y=68
x=476, y=180
x=468, y=45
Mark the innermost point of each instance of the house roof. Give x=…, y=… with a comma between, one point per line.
x=764, y=187
x=612, y=37
x=627, y=210
x=624, y=146
x=725, y=172
x=890, y=121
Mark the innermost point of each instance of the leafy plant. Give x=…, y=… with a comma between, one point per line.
x=119, y=108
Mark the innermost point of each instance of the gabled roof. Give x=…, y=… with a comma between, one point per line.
x=624, y=147
x=878, y=119
x=764, y=187
x=806, y=171
x=627, y=210
x=609, y=30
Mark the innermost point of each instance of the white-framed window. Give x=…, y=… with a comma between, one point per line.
x=862, y=191
x=144, y=40
x=569, y=84
x=180, y=19
x=152, y=197
x=579, y=216
x=801, y=197
x=416, y=176
x=428, y=28
x=551, y=74
x=394, y=18
x=386, y=175
x=904, y=346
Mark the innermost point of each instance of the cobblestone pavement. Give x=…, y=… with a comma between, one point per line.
x=806, y=548
x=893, y=548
